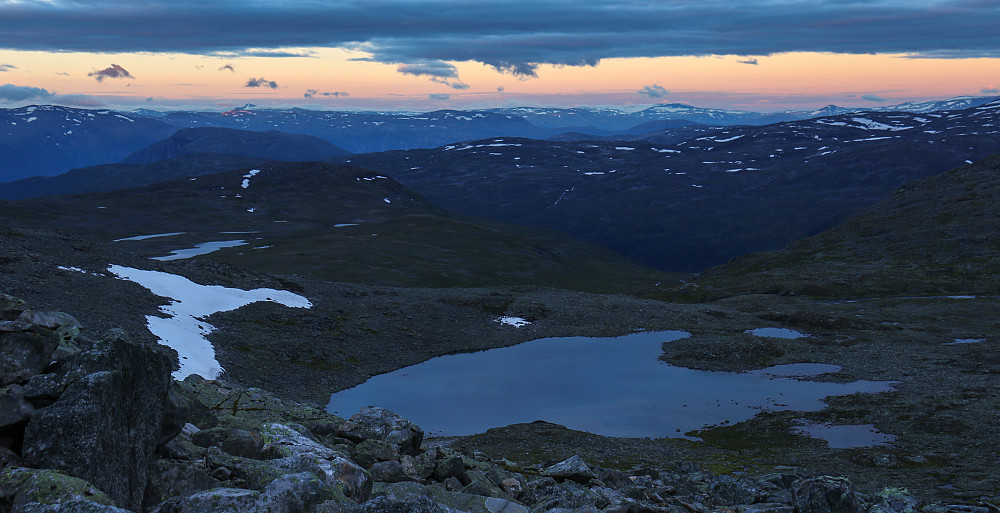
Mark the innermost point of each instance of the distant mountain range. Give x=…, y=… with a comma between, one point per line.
x=686, y=206
x=48, y=140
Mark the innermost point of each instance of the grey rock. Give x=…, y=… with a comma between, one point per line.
x=176, y=478
x=370, y=451
x=389, y=472
x=411, y=492
x=415, y=505
x=14, y=409
x=380, y=424
x=11, y=307
x=452, y=466
x=49, y=490
x=769, y=507
x=293, y=493
x=825, y=494
x=730, y=491
x=573, y=468
x=182, y=408
x=44, y=388
x=219, y=500
x=352, y=480
x=105, y=426
x=894, y=500
x=64, y=324
x=282, y=441
x=422, y=465
x=25, y=353
x=72, y=506
x=246, y=472
x=233, y=441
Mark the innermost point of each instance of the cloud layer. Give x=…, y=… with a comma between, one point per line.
x=513, y=36
x=15, y=93
x=261, y=82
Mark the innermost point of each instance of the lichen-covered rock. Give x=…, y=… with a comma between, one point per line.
x=219, y=500
x=826, y=494
x=389, y=472
x=352, y=480
x=63, y=324
x=233, y=441
x=251, y=407
x=388, y=505
x=451, y=466
x=106, y=424
x=573, y=468
x=894, y=500
x=175, y=478
x=49, y=490
x=368, y=452
x=180, y=409
x=71, y=506
x=373, y=423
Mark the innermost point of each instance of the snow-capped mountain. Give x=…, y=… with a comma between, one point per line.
x=47, y=140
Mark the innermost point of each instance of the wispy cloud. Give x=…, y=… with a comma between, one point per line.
x=439, y=96
x=7, y=67
x=227, y=67
x=989, y=90
x=514, y=36
x=500, y=89
x=311, y=93
x=261, y=82
x=112, y=71
x=872, y=98
x=15, y=93
x=438, y=71
x=654, y=91
x=752, y=61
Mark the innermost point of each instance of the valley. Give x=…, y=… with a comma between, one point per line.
x=872, y=235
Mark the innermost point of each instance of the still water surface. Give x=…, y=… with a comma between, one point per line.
x=609, y=386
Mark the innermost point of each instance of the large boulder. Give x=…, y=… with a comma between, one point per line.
x=14, y=409
x=373, y=423
x=293, y=493
x=106, y=424
x=37, y=491
x=25, y=350
x=826, y=494
x=572, y=468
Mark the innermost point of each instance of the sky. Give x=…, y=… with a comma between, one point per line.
x=761, y=55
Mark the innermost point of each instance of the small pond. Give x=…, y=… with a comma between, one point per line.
x=609, y=386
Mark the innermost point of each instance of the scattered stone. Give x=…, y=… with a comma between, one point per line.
x=48, y=490
x=381, y=424
x=233, y=441
x=573, y=468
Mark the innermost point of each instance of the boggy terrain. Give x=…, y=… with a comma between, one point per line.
x=95, y=424
x=943, y=412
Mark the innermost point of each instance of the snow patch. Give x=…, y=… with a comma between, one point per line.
x=516, y=322
x=182, y=330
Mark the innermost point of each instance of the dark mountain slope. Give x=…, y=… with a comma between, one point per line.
x=935, y=236
x=701, y=202
x=270, y=145
x=337, y=223
x=47, y=140
x=109, y=177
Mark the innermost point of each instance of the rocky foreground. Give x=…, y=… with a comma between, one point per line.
x=98, y=425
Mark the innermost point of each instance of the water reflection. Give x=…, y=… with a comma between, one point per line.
x=610, y=386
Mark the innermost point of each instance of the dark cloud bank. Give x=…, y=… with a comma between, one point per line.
x=513, y=36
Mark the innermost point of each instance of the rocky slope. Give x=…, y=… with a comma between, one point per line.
x=96, y=425
x=936, y=236
x=339, y=223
